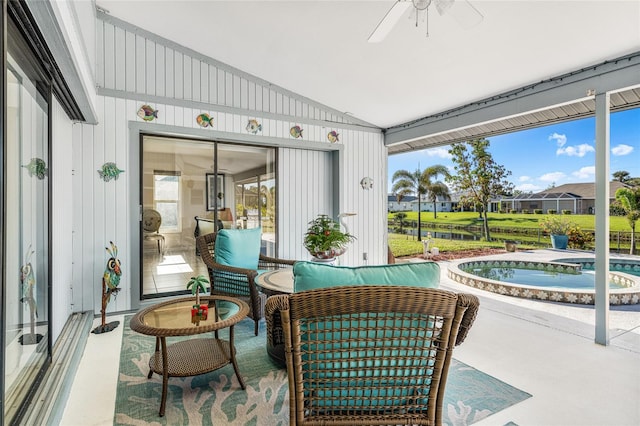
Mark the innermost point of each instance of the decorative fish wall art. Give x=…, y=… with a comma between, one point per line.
x=253, y=126
x=37, y=167
x=109, y=171
x=204, y=120
x=333, y=136
x=147, y=113
x=296, y=132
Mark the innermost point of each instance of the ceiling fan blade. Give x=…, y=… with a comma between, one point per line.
x=387, y=23
x=461, y=10
x=442, y=6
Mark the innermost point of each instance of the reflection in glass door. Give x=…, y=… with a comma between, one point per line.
x=26, y=215
x=186, y=193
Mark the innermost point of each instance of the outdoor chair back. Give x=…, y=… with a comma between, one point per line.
x=233, y=270
x=371, y=355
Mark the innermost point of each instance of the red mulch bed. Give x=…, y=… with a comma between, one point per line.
x=453, y=255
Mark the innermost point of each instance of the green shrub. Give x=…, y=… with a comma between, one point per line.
x=615, y=209
x=556, y=225
x=566, y=212
x=537, y=211
x=579, y=239
x=552, y=211
x=525, y=211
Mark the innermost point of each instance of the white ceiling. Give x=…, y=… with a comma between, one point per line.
x=319, y=49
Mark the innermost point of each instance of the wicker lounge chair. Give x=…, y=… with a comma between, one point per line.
x=236, y=281
x=371, y=355
x=309, y=275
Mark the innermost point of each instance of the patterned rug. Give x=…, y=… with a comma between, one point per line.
x=217, y=399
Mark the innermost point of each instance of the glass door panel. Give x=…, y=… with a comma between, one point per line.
x=26, y=277
x=189, y=194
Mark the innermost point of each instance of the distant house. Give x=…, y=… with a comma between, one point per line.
x=580, y=198
x=403, y=206
x=410, y=204
x=427, y=205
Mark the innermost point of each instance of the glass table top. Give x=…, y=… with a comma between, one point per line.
x=177, y=316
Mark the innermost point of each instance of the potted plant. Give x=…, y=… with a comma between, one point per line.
x=558, y=228
x=324, y=238
x=198, y=311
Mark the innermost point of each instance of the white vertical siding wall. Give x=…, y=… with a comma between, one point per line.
x=135, y=67
x=61, y=223
x=365, y=156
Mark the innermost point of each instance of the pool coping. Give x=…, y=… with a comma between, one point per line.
x=625, y=296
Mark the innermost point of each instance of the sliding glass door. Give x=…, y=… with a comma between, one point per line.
x=189, y=188
x=26, y=231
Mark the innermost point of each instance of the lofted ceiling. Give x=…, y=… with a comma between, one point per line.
x=319, y=50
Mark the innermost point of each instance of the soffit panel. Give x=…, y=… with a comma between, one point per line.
x=619, y=101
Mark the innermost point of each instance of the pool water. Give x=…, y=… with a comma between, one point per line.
x=550, y=279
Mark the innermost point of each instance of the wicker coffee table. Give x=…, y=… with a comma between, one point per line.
x=195, y=356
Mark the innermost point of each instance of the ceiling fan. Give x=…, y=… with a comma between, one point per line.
x=461, y=10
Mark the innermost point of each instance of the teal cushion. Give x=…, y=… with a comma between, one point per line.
x=311, y=276
x=238, y=247
x=395, y=366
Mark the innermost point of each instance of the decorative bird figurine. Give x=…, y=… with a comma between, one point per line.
x=112, y=272
x=28, y=281
x=110, y=282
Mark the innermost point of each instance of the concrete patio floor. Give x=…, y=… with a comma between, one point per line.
x=546, y=349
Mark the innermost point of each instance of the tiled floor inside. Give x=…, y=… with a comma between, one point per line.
x=546, y=349
x=169, y=271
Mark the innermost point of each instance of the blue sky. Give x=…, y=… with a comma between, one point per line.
x=556, y=154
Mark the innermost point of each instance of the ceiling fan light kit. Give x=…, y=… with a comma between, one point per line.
x=466, y=15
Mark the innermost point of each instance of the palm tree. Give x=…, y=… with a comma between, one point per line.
x=629, y=199
x=407, y=183
x=435, y=188
x=198, y=284
x=622, y=176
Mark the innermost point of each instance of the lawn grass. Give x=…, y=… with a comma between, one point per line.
x=407, y=245
x=502, y=225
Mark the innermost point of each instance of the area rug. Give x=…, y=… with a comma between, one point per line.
x=217, y=399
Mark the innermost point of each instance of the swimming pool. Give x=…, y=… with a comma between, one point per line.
x=541, y=278
x=561, y=280
x=628, y=266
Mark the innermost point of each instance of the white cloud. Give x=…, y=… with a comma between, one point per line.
x=560, y=139
x=576, y=151
x=552, y=177
x=622, y=149
x=528, y=187
x=585, y=173
x=437, y=152
x=524, y=178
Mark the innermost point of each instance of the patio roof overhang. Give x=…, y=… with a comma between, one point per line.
x=565, y=97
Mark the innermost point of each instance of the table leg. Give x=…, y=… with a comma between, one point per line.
x=157, y=348
x=165, y=375
x=232, y=356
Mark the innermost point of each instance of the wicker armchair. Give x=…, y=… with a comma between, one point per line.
x=237, y=282
x=371, y=355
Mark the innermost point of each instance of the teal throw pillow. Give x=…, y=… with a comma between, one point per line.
x=238, y=247
x=311, y=276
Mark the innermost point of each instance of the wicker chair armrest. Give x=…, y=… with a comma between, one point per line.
x=472, y=304
x=276, y=303
x=276, y=260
